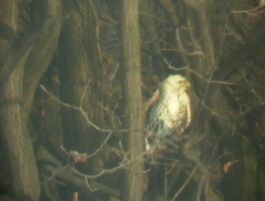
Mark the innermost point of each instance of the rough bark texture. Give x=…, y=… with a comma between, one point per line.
x=42, y=51
x=16, y=141
x=153, y=45
x=80, y=80
x=16, y=101
x=8, y=28
x=132, y=77
x=76, y=81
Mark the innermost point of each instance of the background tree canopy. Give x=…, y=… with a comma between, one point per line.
x=75, y=81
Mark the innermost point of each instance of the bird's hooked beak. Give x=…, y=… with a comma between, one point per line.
x=185, y=84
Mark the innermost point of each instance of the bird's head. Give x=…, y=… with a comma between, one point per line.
x=176, y=83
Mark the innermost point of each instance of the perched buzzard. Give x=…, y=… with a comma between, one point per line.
x=169, y=113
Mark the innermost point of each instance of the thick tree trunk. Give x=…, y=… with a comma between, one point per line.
x=79, y=63
x=42, y=51
x=76, y=81
x=8, y=26
x=16, y=100
x=132, y=69
x=153, y=45
x=16, y=141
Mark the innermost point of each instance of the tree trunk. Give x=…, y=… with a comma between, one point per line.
x=17, y=143
x=132, y=77
x=79, y=65
x=42, y=51
x=8, y=26
x=16, y=100
x=153, y=45
x=76, y=81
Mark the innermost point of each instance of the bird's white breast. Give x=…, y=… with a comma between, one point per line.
x=175, y=108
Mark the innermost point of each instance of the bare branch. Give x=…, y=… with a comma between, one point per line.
x=184, y=184
x=123, y=164
x=82, y=111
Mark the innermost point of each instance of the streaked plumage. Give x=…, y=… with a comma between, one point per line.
x=170, y=114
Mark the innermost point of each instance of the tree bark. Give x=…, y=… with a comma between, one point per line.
x=132, y=77
x=152, y=33
x=16, y=141
x=16, y=101
x=75, y=76
x=42, y=51
x=80, y=81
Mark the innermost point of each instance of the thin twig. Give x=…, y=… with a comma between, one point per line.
x=83, y=113
x=101, y=146
x=184, y=185
x=84, y=93
x=124, y=163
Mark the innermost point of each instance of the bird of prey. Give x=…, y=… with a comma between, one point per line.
x=169, y=112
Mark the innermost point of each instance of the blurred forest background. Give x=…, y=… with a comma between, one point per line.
x=74, y=79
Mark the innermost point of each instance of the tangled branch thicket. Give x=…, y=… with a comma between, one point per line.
x=218, y=45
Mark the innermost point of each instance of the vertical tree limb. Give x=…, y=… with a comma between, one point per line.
x=79, y=60
x=132, y=78
x=42, y=52
x=201, y=10
x=16, y=142
x=148, y=19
